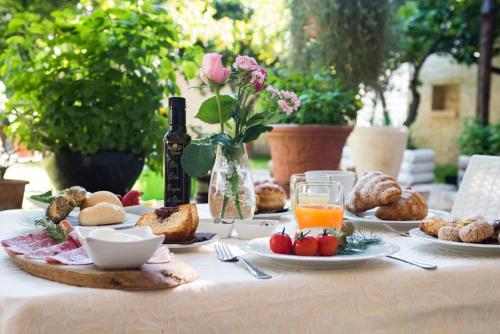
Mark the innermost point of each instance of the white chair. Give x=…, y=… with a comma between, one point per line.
x=479, y=192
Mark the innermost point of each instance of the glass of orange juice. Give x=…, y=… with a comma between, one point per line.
x=319, y=205
x=295, y=179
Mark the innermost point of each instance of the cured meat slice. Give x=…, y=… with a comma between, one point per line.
x=77, y=256
x=25, y=239
x=73, y=236
x=32, y=246
x=41, y=253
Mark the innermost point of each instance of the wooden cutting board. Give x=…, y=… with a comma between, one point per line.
x=150, y=277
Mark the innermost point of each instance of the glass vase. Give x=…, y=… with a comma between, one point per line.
x=231, y=193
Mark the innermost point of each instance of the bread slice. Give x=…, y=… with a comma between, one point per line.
x=179, y=226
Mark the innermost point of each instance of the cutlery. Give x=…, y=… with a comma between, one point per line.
x=414, y=263
x=224, y=254
x=392, y=229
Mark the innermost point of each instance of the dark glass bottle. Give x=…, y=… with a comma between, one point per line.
x=177, y=189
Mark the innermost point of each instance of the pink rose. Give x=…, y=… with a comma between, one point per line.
x=257, y=78
x=212, y=69
x=245, y=63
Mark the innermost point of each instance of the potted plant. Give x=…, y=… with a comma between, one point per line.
x=477, y=138
x=313, y=137
x=11, y=191
x=85, y=89
x=231, y=191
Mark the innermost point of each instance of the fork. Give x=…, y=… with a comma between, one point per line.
x=224, y=254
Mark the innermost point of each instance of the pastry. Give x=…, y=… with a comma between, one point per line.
x=59, y=208
x=372, y=190
x=477, y=231
x=177, y=224
x=100, y=197
x=450, y=233
x=410, y=206
x=102, y=214
x=431, y=226
x=77, y=194
x=269, y=197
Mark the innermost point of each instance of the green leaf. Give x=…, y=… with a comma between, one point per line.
x=252, y=133
x=190, y=69
x=197, y=159
x=209, y=112
x=222, y=139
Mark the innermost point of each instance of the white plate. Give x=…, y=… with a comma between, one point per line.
x=369, y=219
x=276, y=215
x=260, y=247
x=137, y=209
x=193, y=245
x=462, y=247
x=29, y=216
x=223, y=230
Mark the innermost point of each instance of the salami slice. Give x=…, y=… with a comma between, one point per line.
x=32, y=246
x=77, y=256
x=41, y=253
x=25, y=239
x=73, y=236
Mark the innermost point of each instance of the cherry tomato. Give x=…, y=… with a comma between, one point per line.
x=305, y=245
x=328, y=245
x=280, y=243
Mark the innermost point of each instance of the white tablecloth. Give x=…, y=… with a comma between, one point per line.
x=383, y=296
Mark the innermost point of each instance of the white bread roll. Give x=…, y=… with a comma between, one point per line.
x=101, y=197
x=102, y=214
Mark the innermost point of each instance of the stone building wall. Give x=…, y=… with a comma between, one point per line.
x=448, y=94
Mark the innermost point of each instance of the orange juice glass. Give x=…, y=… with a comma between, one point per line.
x=319, y=215
x=319, y=205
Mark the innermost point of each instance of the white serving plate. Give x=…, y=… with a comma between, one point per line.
x=28, y=218
x=368, y=219
x=260, y=247
x=108, y=254
x=134, y=209
x=461, y=247
x=275, y=215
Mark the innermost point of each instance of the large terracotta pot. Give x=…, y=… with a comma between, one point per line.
x=299, y=148
x=11, y=194
x=379, y=148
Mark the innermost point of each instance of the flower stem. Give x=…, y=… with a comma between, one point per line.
x=217, y=98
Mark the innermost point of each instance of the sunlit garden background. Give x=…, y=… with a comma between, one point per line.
x=89, y=76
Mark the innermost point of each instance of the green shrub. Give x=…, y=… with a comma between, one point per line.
x=324, y=98
x=90, y=81
x=479, y=139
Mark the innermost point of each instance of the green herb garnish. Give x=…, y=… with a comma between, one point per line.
x=358, y=242
x=54, y=231
x=46, y=197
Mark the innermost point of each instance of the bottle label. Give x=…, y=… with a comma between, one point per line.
x=177, y=182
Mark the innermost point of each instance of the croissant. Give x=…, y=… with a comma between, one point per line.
x=372, y=190
x=410, y=206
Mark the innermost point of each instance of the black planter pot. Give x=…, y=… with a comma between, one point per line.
x=105, y=170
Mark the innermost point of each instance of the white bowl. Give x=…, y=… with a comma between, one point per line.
x=255, y=228
x=223, y=230
x=121, y=255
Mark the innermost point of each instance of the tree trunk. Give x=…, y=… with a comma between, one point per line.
x=486, y=39
x=415, y=97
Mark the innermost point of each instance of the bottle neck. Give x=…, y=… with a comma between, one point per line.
x=178, y=127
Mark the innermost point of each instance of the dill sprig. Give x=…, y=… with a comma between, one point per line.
x=359, y=241
x=53, y=230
